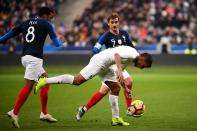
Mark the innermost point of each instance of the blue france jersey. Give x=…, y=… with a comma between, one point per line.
x=110, y=40
x=34, y=32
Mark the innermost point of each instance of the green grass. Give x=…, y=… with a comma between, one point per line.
x=169, y=93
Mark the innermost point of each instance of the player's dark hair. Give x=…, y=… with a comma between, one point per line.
x=45, y=11
x=148, y=59
x=113, y=15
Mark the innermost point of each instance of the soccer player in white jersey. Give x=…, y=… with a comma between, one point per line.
x=112, y=38
x=99, y=65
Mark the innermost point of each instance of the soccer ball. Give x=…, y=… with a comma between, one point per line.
x=137, y=108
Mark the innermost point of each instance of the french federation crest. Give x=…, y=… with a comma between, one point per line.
x=119, y=41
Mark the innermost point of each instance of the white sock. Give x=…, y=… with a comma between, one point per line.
x=61, y=79
x=113, y=100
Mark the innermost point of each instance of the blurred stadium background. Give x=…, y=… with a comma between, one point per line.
x=156, y=26
x=165, y=28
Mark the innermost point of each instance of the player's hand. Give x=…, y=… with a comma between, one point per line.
x=120, y=78
x=62, y=38
x=128, y=91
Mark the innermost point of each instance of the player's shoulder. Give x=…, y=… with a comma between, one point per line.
x=45, y=22
x=124, y=32
x=106, y=34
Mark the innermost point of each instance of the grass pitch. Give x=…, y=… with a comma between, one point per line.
x=169, y=93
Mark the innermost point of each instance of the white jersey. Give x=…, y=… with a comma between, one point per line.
x=100, y=64
x=106, y=58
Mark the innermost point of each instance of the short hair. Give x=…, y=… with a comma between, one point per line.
x=45, y=11
x=148, y=59
x=113, y=16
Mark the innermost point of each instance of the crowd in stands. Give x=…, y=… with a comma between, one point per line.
x=147, y=21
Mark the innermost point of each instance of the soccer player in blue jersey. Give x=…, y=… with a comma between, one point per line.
x=112, y=38
x=35, y=31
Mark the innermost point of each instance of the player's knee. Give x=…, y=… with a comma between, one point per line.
x=128, y=84
x=103, y=93
x=115, y=91
x=104, y=90
x=77, y=82
x=29, y=83
x=44, y=75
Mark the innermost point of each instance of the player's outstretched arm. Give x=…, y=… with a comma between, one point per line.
x=56, y=41
x=7, y=36
x=13, y=32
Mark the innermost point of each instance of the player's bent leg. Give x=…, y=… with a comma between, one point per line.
x=44, y=98
x=21, y=99
x=114, y=87
x=97, y=97
x=41, y=83
x=44, y=116
x=93, y=100
x=113, y=99
x=104, y=90
x=78, y=79
x=44, y=95
x=62, y=79
x=128, y=96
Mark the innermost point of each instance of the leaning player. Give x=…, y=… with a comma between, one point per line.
x=114, y=37
x=34, y=33
x=99, y=65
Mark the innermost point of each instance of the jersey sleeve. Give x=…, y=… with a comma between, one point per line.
x=51, y=31
x=6, y=36
x=129, y=40
x=97, y=47
x=56, y=41
x=17, y=30
x=13, y=32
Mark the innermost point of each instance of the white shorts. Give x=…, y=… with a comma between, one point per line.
x=33, y=67
x=90, y=70
x=108, y=74
x=113, y=77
